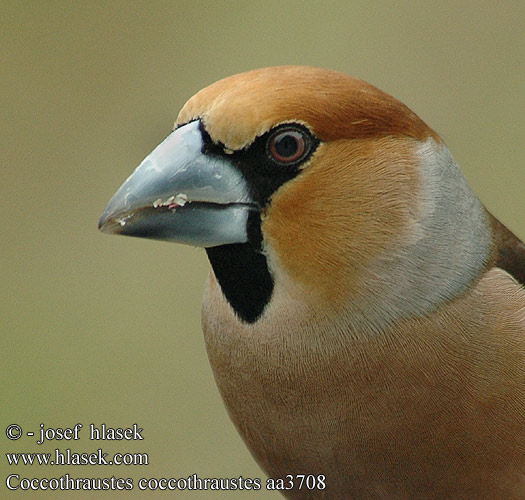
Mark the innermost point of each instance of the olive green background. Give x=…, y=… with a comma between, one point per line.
x=103, y=329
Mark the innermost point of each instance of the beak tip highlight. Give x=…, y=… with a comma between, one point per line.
x=108, y=224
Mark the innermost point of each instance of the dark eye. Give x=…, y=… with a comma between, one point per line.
x=288, y=145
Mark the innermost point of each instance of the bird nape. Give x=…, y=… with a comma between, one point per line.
x=365, y=314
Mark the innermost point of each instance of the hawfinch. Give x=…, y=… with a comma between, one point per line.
x=364, y=314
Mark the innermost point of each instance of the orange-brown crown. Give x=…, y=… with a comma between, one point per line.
x=241, y=107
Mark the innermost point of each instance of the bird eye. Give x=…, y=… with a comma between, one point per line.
x=288, y=145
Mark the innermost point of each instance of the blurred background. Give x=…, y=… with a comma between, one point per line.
x=101, y=329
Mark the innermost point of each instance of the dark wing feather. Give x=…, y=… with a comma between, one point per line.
x=510, y=251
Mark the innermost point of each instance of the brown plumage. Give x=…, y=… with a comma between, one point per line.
x=367, y=324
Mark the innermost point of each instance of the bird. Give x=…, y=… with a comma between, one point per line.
x=364, y=314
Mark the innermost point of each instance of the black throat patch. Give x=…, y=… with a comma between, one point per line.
x=244, y=278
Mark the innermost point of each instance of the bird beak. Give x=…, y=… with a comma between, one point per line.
x=180, y=194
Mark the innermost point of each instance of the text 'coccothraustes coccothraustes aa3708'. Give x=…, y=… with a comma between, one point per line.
x=365, y=315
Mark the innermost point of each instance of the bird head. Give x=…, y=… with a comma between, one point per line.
x=313, y=181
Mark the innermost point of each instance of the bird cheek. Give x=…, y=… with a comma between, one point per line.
x=346, y=209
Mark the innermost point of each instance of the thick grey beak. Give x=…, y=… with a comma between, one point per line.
x=180, y=194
